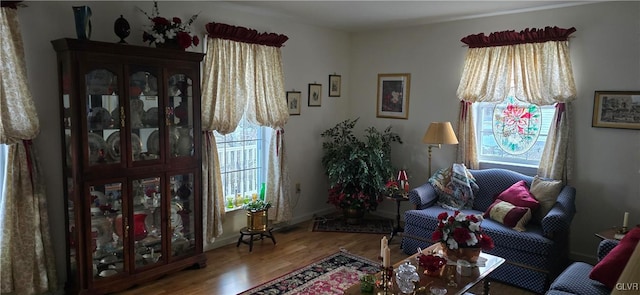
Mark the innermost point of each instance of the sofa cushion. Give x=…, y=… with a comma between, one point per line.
x=491, y=183
x=546, y=192
x=608, y=270
x=518, y=194
x=575, y=279
x=513, y=216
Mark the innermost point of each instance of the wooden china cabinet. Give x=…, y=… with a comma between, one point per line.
x=130, y=118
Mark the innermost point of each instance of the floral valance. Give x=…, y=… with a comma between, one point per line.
x=242, y=34
x=513, y=37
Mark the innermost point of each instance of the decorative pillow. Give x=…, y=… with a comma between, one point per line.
x=455, y=187
x=513, y=216
x=518, y=194
x=608, y=270
x=546, y=192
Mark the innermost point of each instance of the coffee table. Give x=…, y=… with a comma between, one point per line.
x=463, y=283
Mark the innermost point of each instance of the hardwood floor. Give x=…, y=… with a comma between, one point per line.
x=231, y=270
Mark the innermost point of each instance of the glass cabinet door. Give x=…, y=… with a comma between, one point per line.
x=103, y=117
x=107, y=229
x=179, y=115
x=182, y=214
x=144, y=114
x=147, y=221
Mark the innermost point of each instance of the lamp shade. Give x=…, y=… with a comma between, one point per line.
x=440, y=133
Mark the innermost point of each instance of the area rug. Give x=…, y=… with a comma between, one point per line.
x=369, y=225
x=330, y=275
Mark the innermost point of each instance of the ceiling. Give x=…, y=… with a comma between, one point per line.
x=354, y=16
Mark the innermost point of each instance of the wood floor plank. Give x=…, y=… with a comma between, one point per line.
x=231, y=270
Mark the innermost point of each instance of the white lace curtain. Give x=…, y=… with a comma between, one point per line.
x=26, y=254
x=533, y=66
x=242, y=76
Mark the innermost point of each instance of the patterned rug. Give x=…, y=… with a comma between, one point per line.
x=330, y=275
x=369, y=225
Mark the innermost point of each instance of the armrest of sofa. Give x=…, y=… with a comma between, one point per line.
x=423, y=196
x=605, y=247
x=561, y=214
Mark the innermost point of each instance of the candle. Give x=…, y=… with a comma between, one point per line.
x=625, y=221
x=386, y=259
x=383, y=244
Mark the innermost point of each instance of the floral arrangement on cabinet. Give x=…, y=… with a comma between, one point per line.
x=461, y=231
x=163, y=31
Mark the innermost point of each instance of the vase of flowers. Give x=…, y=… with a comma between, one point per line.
x=461, y=236
x=169, y=33
x=257, y=214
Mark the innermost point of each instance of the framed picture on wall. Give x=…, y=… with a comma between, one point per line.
x=293, y=102
x=393, y=96
x=616, y=109
x=335, y=85
x=315, y=95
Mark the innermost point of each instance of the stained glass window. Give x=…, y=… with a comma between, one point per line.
x=512, y=132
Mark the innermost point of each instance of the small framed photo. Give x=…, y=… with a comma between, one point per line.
x=315, y=95
x=293, y=102
x=616, y=109
x=393, y=96
x=335, y=85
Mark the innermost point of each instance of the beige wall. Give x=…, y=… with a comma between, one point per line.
x=605, y=54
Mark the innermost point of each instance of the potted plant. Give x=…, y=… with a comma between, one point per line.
x=358, y=169
x=257, y=214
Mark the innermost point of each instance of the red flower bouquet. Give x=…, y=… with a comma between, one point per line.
x=461, y=231
x=164, y=31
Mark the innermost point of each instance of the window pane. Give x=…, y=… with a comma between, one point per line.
x=241, y=163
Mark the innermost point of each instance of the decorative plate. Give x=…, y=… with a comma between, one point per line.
x=97, y=146
x=150, y=117
x=113, y=146
x=136, y=146
x=153, y=143
x=99, y=118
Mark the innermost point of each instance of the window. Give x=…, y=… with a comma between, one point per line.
x=512, y=132
x=242, y=163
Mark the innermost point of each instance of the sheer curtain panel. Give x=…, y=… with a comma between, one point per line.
x=242, y=76
x=26, y=254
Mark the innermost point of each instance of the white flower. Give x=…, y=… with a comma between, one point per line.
x=171, y=34
x=452, y=244
x=461, y=217
x=474, y=226
x=472, y=240
x=159, y=38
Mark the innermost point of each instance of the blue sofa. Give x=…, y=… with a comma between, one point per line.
x=575, y=279
x=533, y=257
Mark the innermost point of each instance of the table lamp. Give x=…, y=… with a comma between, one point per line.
x=437, y=134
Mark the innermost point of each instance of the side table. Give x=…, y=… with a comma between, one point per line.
x=397, y=229
x=246, y=232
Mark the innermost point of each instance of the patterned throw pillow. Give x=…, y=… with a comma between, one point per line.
x=608, y=270
x=518, y=194
x=513, y=216
x=546, y=192
x=455, y=187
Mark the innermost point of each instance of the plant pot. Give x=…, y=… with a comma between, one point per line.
x=170, y=44
x=468, y=254
x=353, y=216
x=257, y=220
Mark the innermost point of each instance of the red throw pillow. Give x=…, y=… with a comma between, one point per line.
x=519, y=195
x=509, y=214
x=608, y=270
